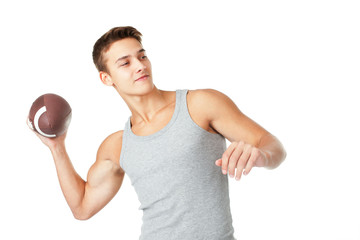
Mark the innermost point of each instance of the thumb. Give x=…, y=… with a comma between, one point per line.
x=218, y=162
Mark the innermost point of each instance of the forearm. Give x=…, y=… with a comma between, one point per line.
x=72, y=185
x=273, y=149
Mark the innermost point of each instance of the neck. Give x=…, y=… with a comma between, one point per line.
x=144, y=107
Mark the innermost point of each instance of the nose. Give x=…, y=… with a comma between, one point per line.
x=140, y=66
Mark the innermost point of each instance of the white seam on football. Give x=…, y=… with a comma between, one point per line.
x=36, y=122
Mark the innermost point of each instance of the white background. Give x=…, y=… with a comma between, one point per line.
x=292, y=66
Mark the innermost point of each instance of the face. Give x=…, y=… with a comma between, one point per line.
x=129, y=68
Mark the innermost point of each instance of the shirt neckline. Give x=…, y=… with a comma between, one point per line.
x=161, y=131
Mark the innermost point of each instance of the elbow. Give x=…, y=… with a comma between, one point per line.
x=284, y=155
x=276, y=153
x=277, y=159
x=281, y=158
x=81, y=215
x=280, y=155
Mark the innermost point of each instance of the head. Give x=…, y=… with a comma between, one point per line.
x=121, y=60
x=103, y=44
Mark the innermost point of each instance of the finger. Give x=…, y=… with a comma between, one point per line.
x=31, y=127
x=255, y=154
x=242, y=162
x=218, y=162
x=225, y=157
x=28, y=123
x=234, y=158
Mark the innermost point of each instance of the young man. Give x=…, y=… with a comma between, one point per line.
x=172, y=148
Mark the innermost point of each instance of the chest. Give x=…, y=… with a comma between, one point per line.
x=162, y=118
x=181, y=153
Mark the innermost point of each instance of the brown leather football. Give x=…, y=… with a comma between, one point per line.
x=50, y=115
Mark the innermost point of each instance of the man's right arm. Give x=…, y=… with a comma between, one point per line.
x=86, y=198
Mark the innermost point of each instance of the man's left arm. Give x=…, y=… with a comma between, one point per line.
x=251, y=145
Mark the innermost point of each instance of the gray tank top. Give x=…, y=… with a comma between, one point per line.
x=183, y=194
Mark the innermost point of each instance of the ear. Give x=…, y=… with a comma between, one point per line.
x=106, y=79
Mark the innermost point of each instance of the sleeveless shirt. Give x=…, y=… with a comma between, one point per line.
x=183, y=194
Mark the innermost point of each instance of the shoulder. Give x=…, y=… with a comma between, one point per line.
x=209, y=101
x=224, y=116
x=110, y=148
x=205, y=105
x=203, y=96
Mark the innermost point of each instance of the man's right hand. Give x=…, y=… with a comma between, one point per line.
x=49, y=142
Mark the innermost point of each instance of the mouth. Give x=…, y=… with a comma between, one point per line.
x=144, y=77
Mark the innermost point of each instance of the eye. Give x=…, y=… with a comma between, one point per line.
x=124, y=64
x=144, y=57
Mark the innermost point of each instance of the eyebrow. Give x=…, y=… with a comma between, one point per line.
x=121, y=58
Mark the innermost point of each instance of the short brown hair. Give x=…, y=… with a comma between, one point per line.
x=103, y=44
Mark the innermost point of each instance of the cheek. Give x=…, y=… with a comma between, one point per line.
x=123, y=78
x=119, y=74
x=148, y=65
x=119, y=78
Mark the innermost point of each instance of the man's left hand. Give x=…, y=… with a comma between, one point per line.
x=242, y=156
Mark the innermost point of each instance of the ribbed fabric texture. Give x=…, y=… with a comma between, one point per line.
x=183, y=194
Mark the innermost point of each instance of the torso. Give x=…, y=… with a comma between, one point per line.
x=114, y=142
x=163, y=117
x=177, y=203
